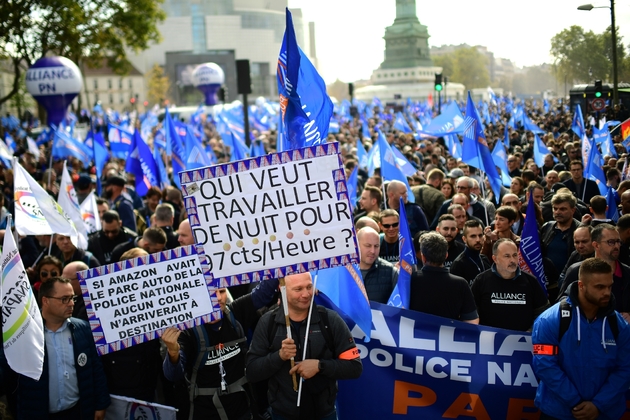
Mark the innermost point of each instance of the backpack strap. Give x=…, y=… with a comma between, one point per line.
x=566, y=314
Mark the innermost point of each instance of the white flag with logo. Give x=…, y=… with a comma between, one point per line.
x=89, y=213
x=69, y=202
x=128, y=408
x=36, y=212
x=22, y=326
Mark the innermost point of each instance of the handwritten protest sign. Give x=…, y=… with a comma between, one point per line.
x=272, y=215
x=133, y=301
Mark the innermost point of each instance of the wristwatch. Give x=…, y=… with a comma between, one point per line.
x=320, y=366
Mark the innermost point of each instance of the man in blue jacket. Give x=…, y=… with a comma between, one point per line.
x=582, y=351
x=73, y=384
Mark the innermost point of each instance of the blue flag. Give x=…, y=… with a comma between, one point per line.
x=578, y=122
x=506, y=137
x=353, y=182
x=196, y=155
x=499, y=156
x=475, y=148
x=119, y=141
x=402, y=290
x=362, y=155
x=450, y=121
x=401, y=124
x=594, y=170
x=603, y=138
x=100, y=154
x=157, y=156
x=389, y=167
x=530, y=257
x=405, y=166
x=612, y=212
x=65, y=146
x=454, y=146
x=239, y=151
x=142, y=164
x=374, y=159
x=257, y=149
x=306, y=107
x=343, y=286
x=529, y=125
x=174, y=147
x=540, y=151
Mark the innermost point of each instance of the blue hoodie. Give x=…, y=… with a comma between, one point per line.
x=588, y=364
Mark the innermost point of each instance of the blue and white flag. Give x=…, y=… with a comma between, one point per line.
x=499, y=156
x=196, y=155
x=142, y=164
x=450, y=121
x=612, y=212
x=475, y=148
x=174, y=147
x=65, y=146
x=594, y=171
x=390, y=170
x=400, y=123
x=405, y=166
x=578, y=122
x=119, y=140
x=603, y=138
x=402, y=291
x=540, y=151
x=352, y=185
x=362, y=155
x=530, y=257
x=343, y=286
x=306, y=107
x=157, y=156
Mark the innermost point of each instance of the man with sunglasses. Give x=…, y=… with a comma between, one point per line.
x=73, y=383
x=607, y=244
x=389, y=244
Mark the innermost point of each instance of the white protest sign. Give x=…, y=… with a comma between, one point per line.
x=134, y=300
x=272, y=215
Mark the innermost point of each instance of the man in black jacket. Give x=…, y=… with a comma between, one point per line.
x=470, y=263
x=331, y=355
x=102, y=243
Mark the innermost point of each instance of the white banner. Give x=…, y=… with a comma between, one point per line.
x=128, y=408
x=130, y=301
x=286, y=215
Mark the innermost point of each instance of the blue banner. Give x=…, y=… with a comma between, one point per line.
x=530, y=257
x=429, y=367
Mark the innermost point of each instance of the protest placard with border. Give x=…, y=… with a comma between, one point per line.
x=271, y=216
x=133, y=301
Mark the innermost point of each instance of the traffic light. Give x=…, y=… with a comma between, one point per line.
x=351, y=89
x=132, y=100
x=598, y=88
x=438, y=82
x=146, y=103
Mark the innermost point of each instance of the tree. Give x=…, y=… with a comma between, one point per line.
x=471, y=68
x=446, y=61
x=158, y=85
x=85, y=31
x=576, y=51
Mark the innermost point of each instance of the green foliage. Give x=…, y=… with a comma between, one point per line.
x=465, y=65
x=575, y=51
x=158, y=85
x=85, y=31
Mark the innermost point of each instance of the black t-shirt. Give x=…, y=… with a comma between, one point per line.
x=454, y=249
x=389, y=252
x=512, y=304
x=434, y=291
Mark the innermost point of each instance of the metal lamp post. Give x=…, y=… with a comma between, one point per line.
x=589, y=7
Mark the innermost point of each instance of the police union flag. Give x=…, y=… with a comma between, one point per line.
x=530, y=258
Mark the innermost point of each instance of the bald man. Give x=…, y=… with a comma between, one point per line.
x=184, y=234
x=70, y=272
x=416, y=219
x=366, y=221
x=332, y=355
x=379, y=276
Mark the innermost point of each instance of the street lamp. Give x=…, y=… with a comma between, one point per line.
x=588, y=8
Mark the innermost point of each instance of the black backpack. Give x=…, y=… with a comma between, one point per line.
x=566, y=314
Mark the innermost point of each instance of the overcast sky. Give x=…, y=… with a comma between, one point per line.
x=349, y=33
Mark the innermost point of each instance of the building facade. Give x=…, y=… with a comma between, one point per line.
x=222, y=31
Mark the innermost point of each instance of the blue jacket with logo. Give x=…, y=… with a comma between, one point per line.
x=587, y=364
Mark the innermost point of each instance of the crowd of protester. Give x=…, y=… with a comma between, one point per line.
x=466, y=238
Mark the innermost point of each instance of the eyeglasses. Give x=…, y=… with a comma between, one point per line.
x=64, y=299
x=613, y=242
x=44, y=274
x=460, y=187
x=393, y=225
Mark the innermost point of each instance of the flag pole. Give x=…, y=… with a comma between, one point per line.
x=308, y=328
x=483, y=193
x=285, y=304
